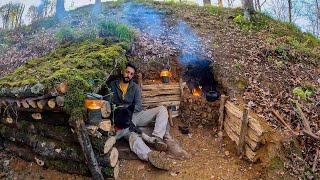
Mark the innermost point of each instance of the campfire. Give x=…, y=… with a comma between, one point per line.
x=197, y=91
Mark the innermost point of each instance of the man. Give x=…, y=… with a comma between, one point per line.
x=127, y=92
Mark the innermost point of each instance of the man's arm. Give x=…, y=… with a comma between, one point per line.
x=137, y=100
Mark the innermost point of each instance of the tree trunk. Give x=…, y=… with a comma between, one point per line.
x=60, y=9
x=248, y=8
x=290, y=10
x=220, y=3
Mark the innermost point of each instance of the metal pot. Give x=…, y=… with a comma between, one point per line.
x=212, y=96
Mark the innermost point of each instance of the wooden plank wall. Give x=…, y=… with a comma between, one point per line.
x=254, y=138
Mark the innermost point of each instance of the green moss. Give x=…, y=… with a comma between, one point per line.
x=76, y=63
x=275, y=164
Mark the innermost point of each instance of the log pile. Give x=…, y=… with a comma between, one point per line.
x=37, y=129
x=253, y=133
x=197, y=110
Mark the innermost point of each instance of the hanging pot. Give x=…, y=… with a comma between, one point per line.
x=212, y=96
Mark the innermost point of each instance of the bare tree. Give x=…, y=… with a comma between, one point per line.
x=230, y=2
x=248, y=8
x=258, y=4
x=290, y=10
x=11, y=15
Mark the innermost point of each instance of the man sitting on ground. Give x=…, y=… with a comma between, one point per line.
x=127, y=92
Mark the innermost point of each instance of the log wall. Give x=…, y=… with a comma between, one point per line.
x=37, y=129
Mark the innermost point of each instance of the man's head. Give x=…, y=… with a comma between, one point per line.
x=128, y=72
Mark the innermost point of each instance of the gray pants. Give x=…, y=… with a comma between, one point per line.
x=158, y=116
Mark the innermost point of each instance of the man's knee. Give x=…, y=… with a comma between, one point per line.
x=163, y=109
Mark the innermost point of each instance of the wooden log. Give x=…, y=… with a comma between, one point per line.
x=160, y=92
x=161, y=86
x=236, y=127
x=38, y=110
x=27, y=154
x=61, y=87
x=52, y=103
x=73, y=167
x=53, y=149
x=254, y=146
x=235, y=113
x=221, y=111
x=175, y=114
x=25, y=104
x=52, y=118
x=109, y=144
x=253, y=156
x=36, y=116
x=105, y=125
x=32, y=103
x=168, y=103
x=105, y=109
x=161, y=99
x=18, y=103
x=42, y=103
x=23, y=91
x=60, y=133
x=45, y=147
x=60, y=101
x=86, y=146
x=243, y=131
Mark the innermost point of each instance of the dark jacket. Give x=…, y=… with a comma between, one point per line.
x=133, y=95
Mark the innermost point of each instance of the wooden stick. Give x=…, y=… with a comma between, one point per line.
x=315, y=161
x=282, y=121
x=86, y=146
x=170, y=117
x=310, y=134
x=221, y=111
x=304, y=119
x=243, y=131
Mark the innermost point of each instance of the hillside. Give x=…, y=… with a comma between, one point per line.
x=269, y=65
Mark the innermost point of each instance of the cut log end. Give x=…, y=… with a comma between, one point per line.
x=105, y=125
x=109, y=144
x=36, y=116
x=52, y=103
x=114, y=156
x=105, y=109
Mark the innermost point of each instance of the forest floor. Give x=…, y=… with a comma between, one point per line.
x=212, y=158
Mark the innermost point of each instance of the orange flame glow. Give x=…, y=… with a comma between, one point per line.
x=165, y=73
x=197, y=91
x=93, y=104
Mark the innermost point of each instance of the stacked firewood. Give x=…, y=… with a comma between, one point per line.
x=197, y=110
x=37, y=129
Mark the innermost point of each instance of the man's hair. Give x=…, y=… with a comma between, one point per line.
x=130, y=64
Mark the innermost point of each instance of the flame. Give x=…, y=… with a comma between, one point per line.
x=93, y=104
x=165, y=73
x=197, y=91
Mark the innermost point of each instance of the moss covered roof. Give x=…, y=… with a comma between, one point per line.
x=83, y=65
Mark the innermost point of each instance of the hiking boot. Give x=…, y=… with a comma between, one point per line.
x=159, y=160
x=159, y=144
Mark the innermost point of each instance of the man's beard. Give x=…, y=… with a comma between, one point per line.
x=126, y=79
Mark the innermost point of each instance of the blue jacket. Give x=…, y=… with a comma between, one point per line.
x=133, y=95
